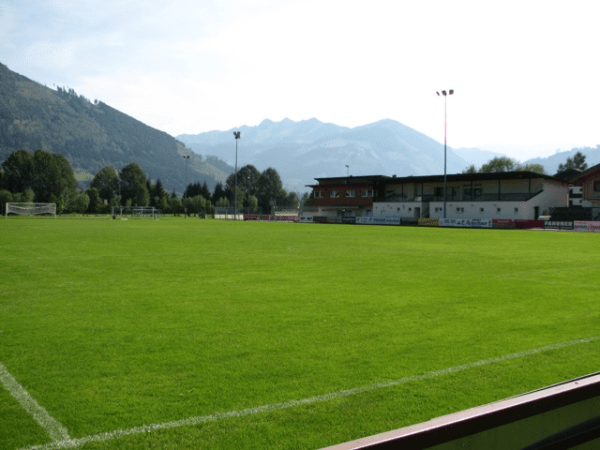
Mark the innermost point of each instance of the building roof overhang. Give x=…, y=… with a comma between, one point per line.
x=456, y=177
x=592, y=171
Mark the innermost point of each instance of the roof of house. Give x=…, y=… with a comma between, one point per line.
x=568, y=174
x=516, y=175
x=587, y=173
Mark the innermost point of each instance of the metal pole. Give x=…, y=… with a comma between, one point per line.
x=445, y=179
x=444, y=93
x=187, y=158
x=236, y=134
x=235, y=192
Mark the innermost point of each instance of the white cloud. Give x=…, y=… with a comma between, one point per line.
x=524, y=72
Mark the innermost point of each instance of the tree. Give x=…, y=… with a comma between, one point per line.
x=5, y=196
x=470, y=169
x=80, y=203
x=54, y=179
x=577, y=162
x=107, y=183
x=175, y=205
x=192, y=190
x=252, y=203
x=270, y=190
x=96, y=204
x=499, y=164
x=133, y=185
x=537, y=168
x=205, y=191
x=27, y=196
x=194, y=205
x=307, y=199
x=218, y=194
x=18, y=171
x=247, y=180
x=158, y=190
x=291, y=200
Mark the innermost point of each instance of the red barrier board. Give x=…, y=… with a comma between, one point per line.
x=503, y=223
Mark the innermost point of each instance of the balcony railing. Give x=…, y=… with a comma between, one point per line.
x=514, y=197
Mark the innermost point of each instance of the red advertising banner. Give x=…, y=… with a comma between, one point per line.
x=503, y=223
x=527, y=224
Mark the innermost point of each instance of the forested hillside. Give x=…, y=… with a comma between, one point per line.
x=92, y=135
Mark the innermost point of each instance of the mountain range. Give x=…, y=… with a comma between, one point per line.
x=92, y=135
x=309, y=149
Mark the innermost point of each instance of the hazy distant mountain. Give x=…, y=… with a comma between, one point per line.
x=93, y=135
x=305, y=150
x=476, y=156
x=550, y=163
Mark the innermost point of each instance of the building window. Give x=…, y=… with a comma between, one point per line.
x=472, y=191
x=318, y=194
x=481, y=210
x=516, y=210
x=367, y=193
x=351, y=193
x=460, y=210
x=498, y=210
x=334, y=194
x=597, y=186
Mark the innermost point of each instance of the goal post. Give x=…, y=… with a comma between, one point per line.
x=29, y=209
x=136, y=212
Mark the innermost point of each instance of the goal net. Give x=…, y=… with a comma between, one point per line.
x=30, y=209
x=136, y=212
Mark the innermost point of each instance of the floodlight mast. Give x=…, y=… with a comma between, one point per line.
x=187, y=158
x=236, y=134
x=445, y=94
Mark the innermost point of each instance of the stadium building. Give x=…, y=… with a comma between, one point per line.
x=589, y=181
x=485, y=196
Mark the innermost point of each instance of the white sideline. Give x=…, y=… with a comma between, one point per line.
x=56, y=431
x=116, y=434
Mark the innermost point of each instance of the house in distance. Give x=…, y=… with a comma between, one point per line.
x=519, y=195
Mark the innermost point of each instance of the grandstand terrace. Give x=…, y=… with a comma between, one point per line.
x=517, y=195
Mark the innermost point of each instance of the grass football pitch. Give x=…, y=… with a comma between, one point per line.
x=204, y=334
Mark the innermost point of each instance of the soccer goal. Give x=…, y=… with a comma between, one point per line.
x=145, y=212
x=136, y=212
x=30, y=209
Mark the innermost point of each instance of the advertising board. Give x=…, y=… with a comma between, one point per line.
x=466, y=223
x=580, y=225
x=503, y=223
x=429, y=222
x=558, y=225
x=386, y=221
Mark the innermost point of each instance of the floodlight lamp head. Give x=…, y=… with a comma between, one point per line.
x=236, y=134
x=444, y=93
x=437, y=93
x=451, y=91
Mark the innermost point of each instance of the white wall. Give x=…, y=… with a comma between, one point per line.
x=554, y=194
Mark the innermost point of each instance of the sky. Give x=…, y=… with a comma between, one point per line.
x=525, y=73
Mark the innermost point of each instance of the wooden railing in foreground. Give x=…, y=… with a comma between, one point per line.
x=566, y=415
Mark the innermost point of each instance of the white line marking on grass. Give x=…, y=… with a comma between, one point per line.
x=56, y=431
x=110, y=435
